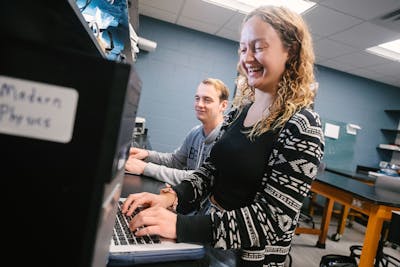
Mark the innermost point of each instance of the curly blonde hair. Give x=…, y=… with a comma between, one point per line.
x=295, y=87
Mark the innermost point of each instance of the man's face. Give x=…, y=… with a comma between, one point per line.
x=207, y=105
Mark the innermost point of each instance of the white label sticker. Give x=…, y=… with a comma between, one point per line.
x=37, y=110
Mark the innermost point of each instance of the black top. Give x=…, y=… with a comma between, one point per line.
x=261, y=228
x=235, y=156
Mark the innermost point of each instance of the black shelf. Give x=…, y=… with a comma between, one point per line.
x=392, y=110
x=386, y=154
x=394, y=114
x=392, y=131
x=388, y=149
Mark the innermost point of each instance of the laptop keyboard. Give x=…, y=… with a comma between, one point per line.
x=122, y=235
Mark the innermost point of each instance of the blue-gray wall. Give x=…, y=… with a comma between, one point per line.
x=350, y=99
x=171, y=74
x=184, y=57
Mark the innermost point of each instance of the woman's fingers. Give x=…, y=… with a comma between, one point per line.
x=154, y=221
x=141, y=222
x=133, y=201
x=148, y=230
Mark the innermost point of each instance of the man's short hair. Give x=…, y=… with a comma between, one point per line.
x=219, y=86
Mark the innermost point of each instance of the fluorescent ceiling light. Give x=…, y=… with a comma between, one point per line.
x=245, y=6
x=390, y=50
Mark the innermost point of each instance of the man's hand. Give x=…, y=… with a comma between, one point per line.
x=134, y=165
x=138, y=153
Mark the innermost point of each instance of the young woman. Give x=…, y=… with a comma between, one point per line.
x=262, y=166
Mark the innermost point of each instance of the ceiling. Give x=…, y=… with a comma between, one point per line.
x=341, y=29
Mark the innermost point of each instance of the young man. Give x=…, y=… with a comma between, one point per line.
x=211, y=100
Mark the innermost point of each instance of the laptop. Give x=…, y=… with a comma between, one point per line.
x=126, y=249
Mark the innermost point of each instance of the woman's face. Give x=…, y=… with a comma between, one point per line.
x=262, y=55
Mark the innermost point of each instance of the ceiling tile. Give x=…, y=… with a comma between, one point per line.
x=389, y=68
x=361, y=59
x=364, y=9
x=370, y=74
x=365, y=35
x=228, y=34
x=336, y=65
x=196, y=24
x=396, y=83
x=158, y=13
x=324, y=21
x=235, y=22
x=316, y=37
x=319, y=59
x=214, y=14
x=328, y=49
x=171, y=6
x=388, y=79
x=339, y=29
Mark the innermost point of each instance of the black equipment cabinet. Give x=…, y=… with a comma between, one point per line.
x=66, y=122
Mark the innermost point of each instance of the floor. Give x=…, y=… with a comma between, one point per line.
x=305, y=254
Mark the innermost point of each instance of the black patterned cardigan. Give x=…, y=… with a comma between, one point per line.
x=263, y=231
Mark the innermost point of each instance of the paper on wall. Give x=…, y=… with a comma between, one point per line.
x=332, y=130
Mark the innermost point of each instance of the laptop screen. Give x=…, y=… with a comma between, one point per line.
x=58, y=181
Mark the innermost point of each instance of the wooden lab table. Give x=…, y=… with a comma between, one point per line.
x=376, y=203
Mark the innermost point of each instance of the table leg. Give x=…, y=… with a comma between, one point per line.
x=371, y=240
x=345, y=211
x=326, y=219
x=313, y=200
x=343, y=217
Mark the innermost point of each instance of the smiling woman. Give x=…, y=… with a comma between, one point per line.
x=244, y=201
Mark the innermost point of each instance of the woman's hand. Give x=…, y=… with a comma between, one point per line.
x=138, y=153
x=145, y=199
x=154, y=221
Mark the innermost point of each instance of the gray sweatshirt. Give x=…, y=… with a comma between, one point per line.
x=172, y=168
